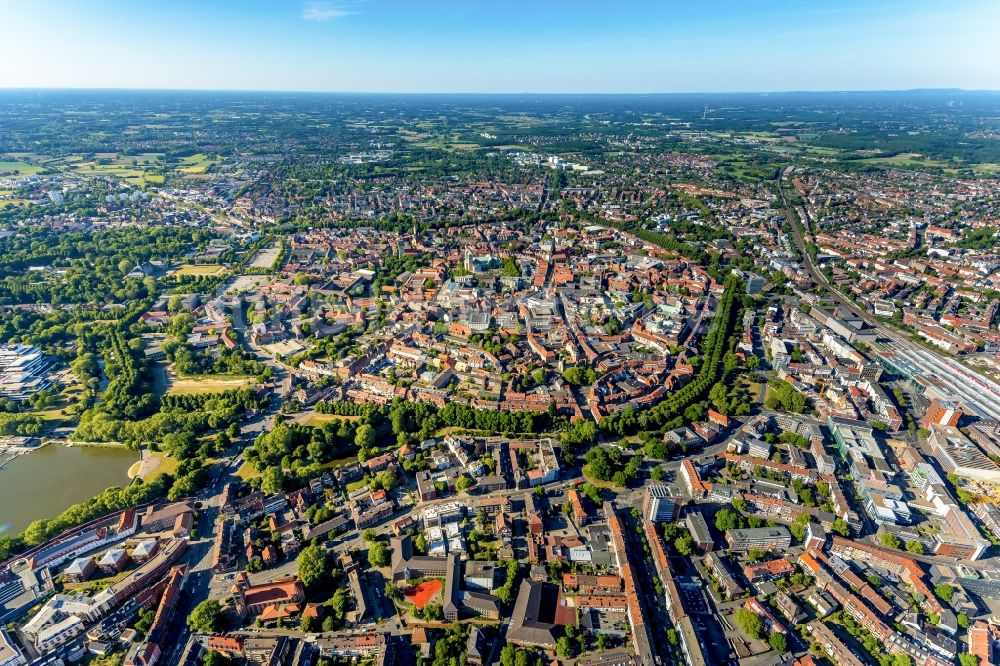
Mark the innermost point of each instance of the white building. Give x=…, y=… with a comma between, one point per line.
x=10, y=655
x=61, y=619
x=23, y=371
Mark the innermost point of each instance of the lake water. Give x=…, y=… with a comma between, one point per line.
x=43, y=483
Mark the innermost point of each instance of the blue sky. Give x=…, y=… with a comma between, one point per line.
x=598, y=46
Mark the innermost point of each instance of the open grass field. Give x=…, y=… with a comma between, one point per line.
x=520, y=120
x=135, y=169
x=907, y=160
x=199, y=270
x=17, y=168
x=134, y=175
x=420, y=595
x=198, y=385
x=196, y=164
x=356, y=485
x=58, y=161
x=514, y=146
x=986, y=169
x=442, y=144
x=822, y=151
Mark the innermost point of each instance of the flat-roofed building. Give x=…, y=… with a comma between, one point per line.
x=659, y=504
x=354, y=645
x=60, y=620
x=23, y=371
x=480, y=575
x=700, y=533
x=761, y=538
x=959, y=455
x=10, y=654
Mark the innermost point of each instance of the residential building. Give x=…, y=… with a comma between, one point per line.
x=10, y=654
x=659, y=504
x=760, y=538
x=698, y=528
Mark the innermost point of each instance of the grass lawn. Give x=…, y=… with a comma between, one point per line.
x=449, y=430
x=247, y=472
x=196, y=269
x=95, y=585
x=355, y=485
x=207, y=384
x=440, y=144
x=159, y=464
x=315, y=420
x=54, y=418
x=113, y=659
x=340, y=462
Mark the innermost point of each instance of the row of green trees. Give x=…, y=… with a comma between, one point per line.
x=714, y=347
x=177, y=416
x=421, y=419
x=124, y=397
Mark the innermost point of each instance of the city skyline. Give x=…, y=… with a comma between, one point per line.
x=387, y=46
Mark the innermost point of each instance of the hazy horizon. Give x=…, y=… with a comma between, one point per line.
x=522, y=47
x=508, y=93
